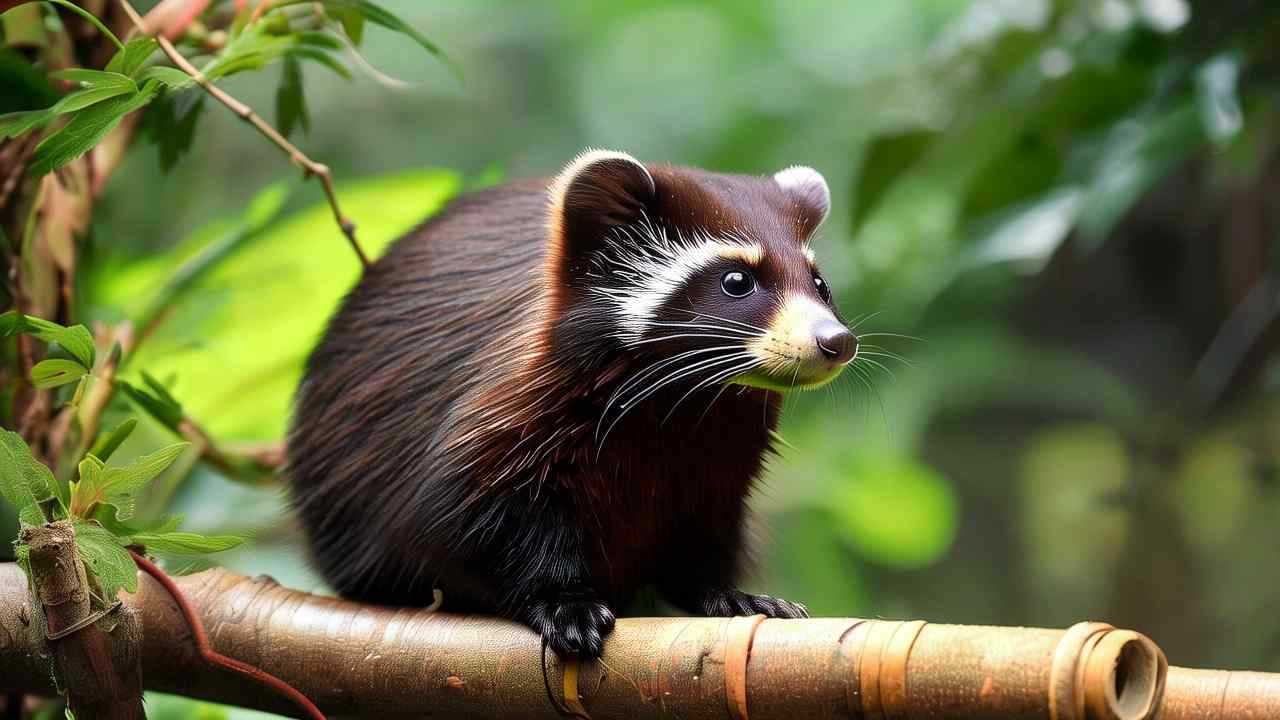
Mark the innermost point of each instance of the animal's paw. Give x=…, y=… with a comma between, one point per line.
x=572, y=626
x=730, y=602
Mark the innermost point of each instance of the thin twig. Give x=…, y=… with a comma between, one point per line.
x=244, y=112
x=215, y=658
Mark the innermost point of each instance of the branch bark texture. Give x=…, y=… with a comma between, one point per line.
x=356, y=660
x=97, y=662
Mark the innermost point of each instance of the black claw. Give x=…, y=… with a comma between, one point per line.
x=730, y=602
x=572, y=626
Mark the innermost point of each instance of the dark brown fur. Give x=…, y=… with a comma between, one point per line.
x=446, y=434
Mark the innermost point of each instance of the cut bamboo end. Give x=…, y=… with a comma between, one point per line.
x=1091, y=671
x=1124, y=677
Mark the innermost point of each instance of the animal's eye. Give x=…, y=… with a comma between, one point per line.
x=824, y=290
x=737, y=283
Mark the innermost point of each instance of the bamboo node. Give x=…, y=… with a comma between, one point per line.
x=741, y=633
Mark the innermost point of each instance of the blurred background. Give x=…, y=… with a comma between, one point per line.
x=1066, y=213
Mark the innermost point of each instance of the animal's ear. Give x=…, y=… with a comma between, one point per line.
x=808, y=189
x=599, y=191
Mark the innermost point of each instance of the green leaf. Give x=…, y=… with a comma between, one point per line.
x=125, y=531
x=171, y=125
x=25, y=482
x=168, y=414
x=291, y=104
x=322, y=57
x=118, y=487
x=129, y=60
x=106, y=558
x=56, y=372
x=121, y=485
x=76, y=339
x=92, y=77
x=379, y=16
x=94, y=94
x=108, y=444
x=86, y=130
x=171, y=78
x=245, y=393
x=21, y=123
x=352, y=24
x=86, y=490
x=185, y=543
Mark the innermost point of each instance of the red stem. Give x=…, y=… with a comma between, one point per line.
x=216, y=658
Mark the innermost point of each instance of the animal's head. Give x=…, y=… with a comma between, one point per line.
x=710, y=273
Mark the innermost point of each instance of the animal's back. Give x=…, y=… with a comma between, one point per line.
x=406, y=344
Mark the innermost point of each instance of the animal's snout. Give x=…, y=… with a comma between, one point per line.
x=837, y=344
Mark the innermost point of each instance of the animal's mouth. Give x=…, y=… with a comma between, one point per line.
x=791, y=372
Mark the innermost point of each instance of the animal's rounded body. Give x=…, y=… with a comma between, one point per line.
x=557, y=392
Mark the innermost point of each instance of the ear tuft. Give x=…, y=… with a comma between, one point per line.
x=808, y=188
x=597, y=192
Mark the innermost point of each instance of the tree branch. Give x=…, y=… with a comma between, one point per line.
x=97, y=659
x=309, y=167
x=357, y=660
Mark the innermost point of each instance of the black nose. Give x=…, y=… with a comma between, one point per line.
x=835, y=341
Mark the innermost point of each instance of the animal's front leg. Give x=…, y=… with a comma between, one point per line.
x=551, y=589
x=703, y=580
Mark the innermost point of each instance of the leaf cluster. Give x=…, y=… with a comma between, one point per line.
x=291, y=32
x=100, y=505
x=102, y=501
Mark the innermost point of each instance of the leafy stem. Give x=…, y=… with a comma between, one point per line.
x=91, y=19
x=310, y=168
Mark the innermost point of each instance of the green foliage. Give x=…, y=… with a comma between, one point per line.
x=87, y=129
x=118, y=487
x=185, y=543
x=56, y=372
x=106, y=557
x=128, y=84
x=896, y=511
x=291, y=108
x=135, y=54
x=97, y=504
x=154, y=399
x=375, y=14
x=246, y=393
x=76, y=339
x=106, y=445
x=263, y=44
x=25, y=482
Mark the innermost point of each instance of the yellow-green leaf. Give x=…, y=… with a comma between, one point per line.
x=106, y=558
x=56, y=372
x=25, y=482
x=241, y=380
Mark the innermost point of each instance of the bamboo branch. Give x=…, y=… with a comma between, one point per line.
x=310, y=168
x=357, y=660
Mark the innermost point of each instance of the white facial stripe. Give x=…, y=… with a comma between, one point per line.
x=650, y=278
x=809, y=255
